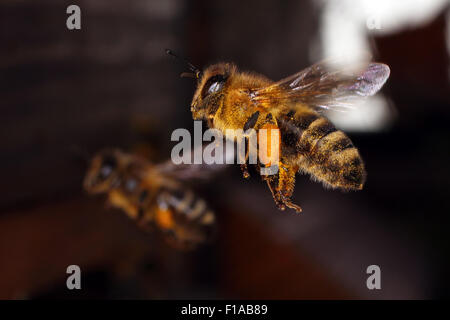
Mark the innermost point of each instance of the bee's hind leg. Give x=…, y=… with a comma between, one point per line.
x=272, y=184
x=286, y=183
x=288, y=203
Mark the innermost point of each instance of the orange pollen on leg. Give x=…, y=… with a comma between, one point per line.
x=269, y=151
x=164, y=218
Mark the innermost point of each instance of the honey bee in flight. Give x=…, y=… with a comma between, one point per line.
x=230, y=99
x=155, y=196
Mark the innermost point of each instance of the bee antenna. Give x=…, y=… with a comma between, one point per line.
x=197, y=72
x=188, y=75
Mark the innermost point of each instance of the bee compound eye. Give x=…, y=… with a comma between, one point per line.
x=107, y=167
x=105, y=171
x=215, y=87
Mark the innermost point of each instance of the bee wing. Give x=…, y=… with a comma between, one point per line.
x=188, y=172
x=327, y=85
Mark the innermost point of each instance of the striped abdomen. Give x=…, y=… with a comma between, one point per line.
x=184, y=216
x=318, y=148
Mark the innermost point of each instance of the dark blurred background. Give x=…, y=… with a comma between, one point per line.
x=110, y=84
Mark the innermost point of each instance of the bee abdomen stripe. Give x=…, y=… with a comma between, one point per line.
x=188, y=204
x=348, y=156
x=198, y=209
x=341, y=144
x=321, y=129
x=184, y=203
x=316, y=130
x=208, y=218
x=303, y=121
x=293, y=126
x=321, y=134
x=333, y=142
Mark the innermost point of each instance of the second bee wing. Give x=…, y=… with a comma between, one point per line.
x=327, y=85
x=189, y=172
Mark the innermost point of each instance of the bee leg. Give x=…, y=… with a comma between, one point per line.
x=244, y=167
x=272, y=184
x=250, y=124
x=244, y=170
x=274, y=181
x=288, y=203
x=286, y=183
x=243, y=162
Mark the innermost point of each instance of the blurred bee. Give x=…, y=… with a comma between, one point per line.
x=155, y=196
x=229, y=99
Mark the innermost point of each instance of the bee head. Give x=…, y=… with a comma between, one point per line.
x=103, y=172
x=211, y=85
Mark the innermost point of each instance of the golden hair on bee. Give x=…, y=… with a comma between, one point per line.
x=229, y=99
